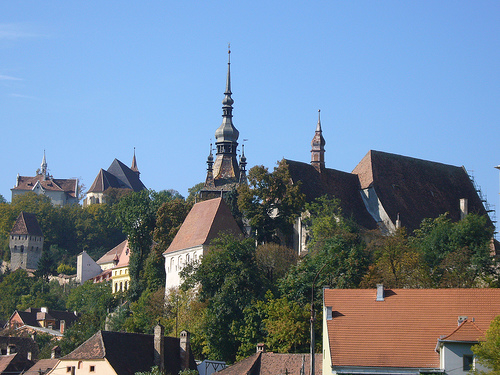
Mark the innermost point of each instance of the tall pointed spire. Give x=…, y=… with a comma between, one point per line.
x=318, y=147
x=227, y=135
x=223, y=172
x=43, y=166
x=134, y=164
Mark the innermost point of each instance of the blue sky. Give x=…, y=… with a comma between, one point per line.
x=88, y=81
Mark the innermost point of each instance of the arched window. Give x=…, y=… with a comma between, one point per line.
x=126, y=285
x=121, y=286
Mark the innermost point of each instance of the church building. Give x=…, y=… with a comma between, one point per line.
x=385, y=191
x=118, y=176
x=225, y=173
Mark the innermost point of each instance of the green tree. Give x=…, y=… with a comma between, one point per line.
x=274, y=261
x=93, y=301
x=136, y=213
x=458, y=254
x=14, y=286
x=194, y=191
x=229, y=280
x=2, y=199
x=488, y=350
x=271, y=203
x=395, y=263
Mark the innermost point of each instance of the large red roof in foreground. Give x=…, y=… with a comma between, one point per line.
x=404, y=328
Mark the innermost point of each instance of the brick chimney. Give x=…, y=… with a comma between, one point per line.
x=159, y=347
x=62, y=326
x=185, y=344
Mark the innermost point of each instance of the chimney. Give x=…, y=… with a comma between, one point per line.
x=464, y=208
x=185, y=344
x=398, y=222
x=62, y=326
x=159, y=347
x=29, y=356
x=380, y=292
x=261, y=347
x=55, y=352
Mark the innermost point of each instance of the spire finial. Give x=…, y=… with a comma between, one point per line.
x=134, y=164
x=318, y=127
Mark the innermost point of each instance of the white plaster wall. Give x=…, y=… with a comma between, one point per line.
x=86, y=268
x=376, y=210
x=176, y=261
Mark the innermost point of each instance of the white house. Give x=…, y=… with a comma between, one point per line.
x=205, y=221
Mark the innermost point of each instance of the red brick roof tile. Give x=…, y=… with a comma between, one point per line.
x=204, y=223
x=402, y=330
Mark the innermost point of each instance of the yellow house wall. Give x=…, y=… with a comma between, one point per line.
x=101, y=367
x=120, y=275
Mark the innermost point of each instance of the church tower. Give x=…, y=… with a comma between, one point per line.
x=318, y=147
x=224, y=173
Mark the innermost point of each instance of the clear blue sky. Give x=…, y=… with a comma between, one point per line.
x=90, y=80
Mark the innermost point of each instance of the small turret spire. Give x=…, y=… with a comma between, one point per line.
x=134, y=163
x=43, y=166
x=318, y=147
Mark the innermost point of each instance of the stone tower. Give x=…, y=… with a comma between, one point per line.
x=25, y=242
x=225, y=173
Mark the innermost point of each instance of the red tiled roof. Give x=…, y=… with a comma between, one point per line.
x=26, y=183
x=466, y=331
x=116, y=252
x=402, y=330
x=204, y=223
x=26, y=223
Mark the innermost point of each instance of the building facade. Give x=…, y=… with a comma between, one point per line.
x=60, y=191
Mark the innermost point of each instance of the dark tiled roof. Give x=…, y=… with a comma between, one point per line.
x=26, y=223
x=126, y=176
x=117, y=176
x=274, y=363
x=341, y=185
x=417, y=189
x=404, y=328
x=128, y=353
x=29, y=317
x=205, y=221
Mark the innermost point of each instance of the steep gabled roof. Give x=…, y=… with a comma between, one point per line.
x=115, y=253
x=204, y=223
x=274, y=363
x=117, y=176
x=128, y=353
x=404, y=328
x=334, y=183
x=26, y=223
x=417, y=189
x=126, y=177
